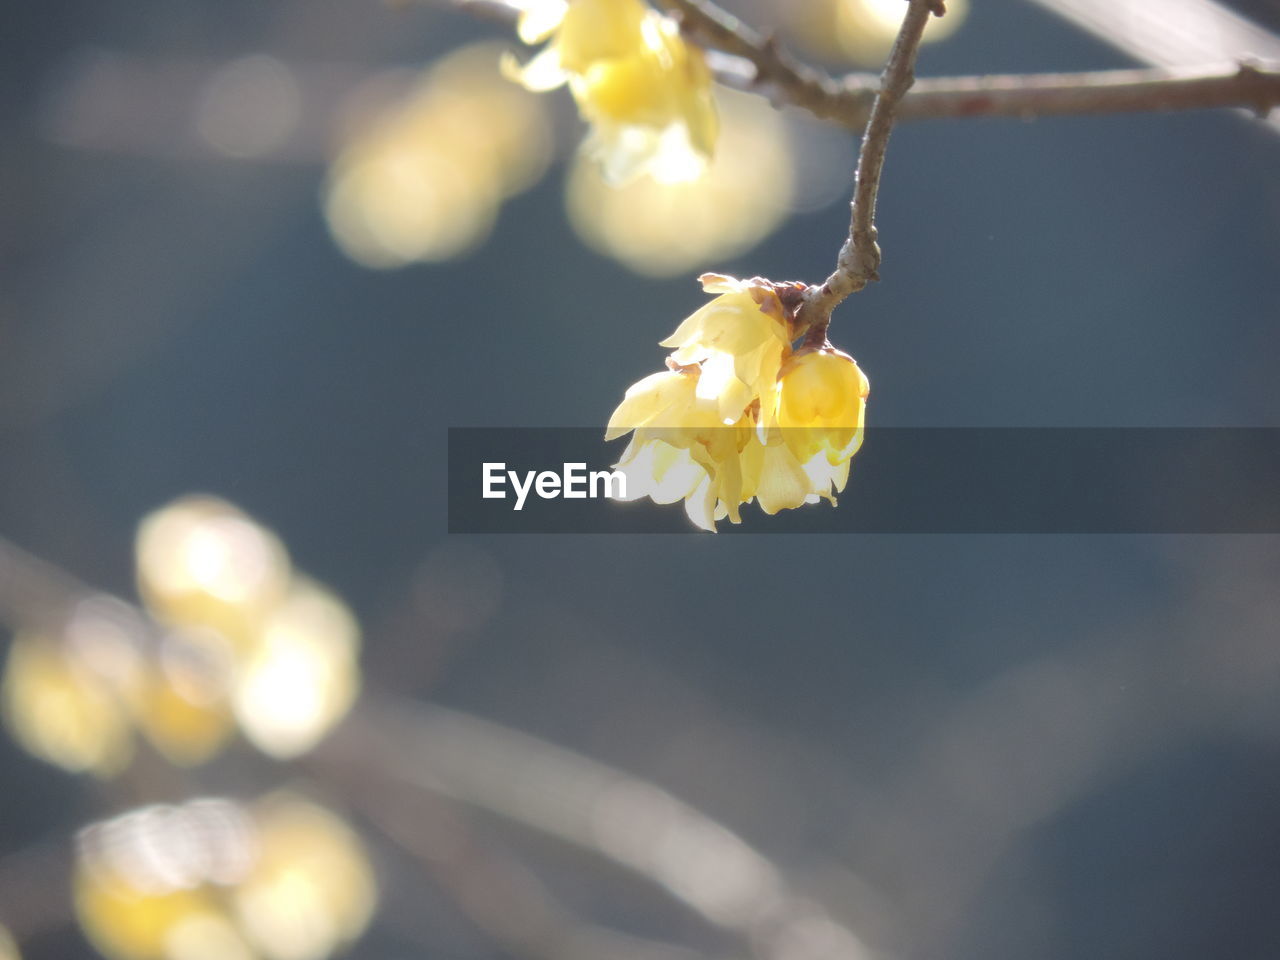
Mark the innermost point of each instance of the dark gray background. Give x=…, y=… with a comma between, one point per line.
x=970, y=746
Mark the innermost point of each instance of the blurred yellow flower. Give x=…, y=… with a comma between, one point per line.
x=60, y=710
x=663, y=229
x=146, y=880
x=254, y=645
x=862, y=31
x=738, y=416
x=185, y=726
x=260, y=643
x=311, y=890
x=203, y=564
x=644, y=91
x=423, y=177
x=302, y=676
x=214, y=880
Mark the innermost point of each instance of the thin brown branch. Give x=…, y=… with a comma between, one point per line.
x=859, y=258
x=745, y=59
x=1252, y=86
x=406, y=749
x=763, y=66
x=1248, y=85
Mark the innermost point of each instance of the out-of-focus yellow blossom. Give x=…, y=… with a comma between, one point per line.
x=661, y=229
x=203, y=564
x=8, y=949
x=862, y=31
x=212, y=880
x=422, y=180
x=184, y=717
x=145, y=881
x=302, y=675
x=644, y=91
x=261, y=643
x=58, y=709
x=311, y=890
x=253, y=645
x=738, y=416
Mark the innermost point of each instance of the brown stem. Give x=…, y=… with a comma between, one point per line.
x=762, y=65
x=1252, y=86
x=859, y=258
x=747, y=60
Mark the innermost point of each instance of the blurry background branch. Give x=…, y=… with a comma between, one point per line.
x=400, y=761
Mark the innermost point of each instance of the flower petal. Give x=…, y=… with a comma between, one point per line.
x=539, y=75
x=539, y=19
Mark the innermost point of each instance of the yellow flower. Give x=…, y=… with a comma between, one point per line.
x=203, y=564
x=644, y=91
x=281, y=880
x=741, y=339
x=186, y=718
x=681, y=448
x=738, y=416
x=311, y=891
x=668, y=229
x=149, y=885
x=822, y=404
x=59, y=709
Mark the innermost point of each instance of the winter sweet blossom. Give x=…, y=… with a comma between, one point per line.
x=739, y=416
x=644, y=91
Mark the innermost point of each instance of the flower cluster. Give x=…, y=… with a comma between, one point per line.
x=280, y=879
x=644, y=91
x=253, y=646
x=739, y=415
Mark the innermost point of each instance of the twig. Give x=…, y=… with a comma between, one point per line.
x=415, y=748
x=749, y=61
x=859, y=257
x=770, y=69
x=744, y=59
x=499, y=893
x=1249, y=85
x=621, y=818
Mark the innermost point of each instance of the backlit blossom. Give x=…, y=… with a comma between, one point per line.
x=644, y=91
x=681, y=448
x=58, y=709
x=281, y=879
x=249, y=645
x=822, y=404
x=739, y=416
x=669, y=229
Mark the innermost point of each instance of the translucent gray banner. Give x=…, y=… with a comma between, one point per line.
x=904, y=480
